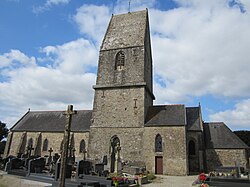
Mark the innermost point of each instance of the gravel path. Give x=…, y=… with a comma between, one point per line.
x=161, y=181
x=172, y=181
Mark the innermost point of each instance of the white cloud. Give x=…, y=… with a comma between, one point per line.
x=201, y=49
x=68, y=80
x=48, y=4
x=246, y=4
x=73, y=57
x=15, y=57
x=56, y=2
x=92, y=21
x=238, y=118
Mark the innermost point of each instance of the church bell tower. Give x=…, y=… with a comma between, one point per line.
x=123, y=90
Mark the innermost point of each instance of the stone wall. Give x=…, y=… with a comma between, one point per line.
x=16, y=138
x=119, y=108
x=133, y=68
x=174, y=149
x=54, y=141
x=196, y=161
x=225, y=157
x=130, y=142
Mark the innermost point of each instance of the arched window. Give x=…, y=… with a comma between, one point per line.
x=82, y=146
x=191, y=147
x=158, y=143
x=119, y=61
x=30, y=142
x=45, y=145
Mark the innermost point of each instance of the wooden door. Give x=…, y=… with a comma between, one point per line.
x=158, y=165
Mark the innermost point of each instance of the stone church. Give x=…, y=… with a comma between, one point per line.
x=167, y=139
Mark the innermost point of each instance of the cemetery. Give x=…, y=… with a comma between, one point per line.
x=81, y=173
x=63, y=170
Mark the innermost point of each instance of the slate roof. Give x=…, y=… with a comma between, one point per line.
x=219, y=136
x=126, y=30
x=166, y=115
x=193, y=119
x=53, y=121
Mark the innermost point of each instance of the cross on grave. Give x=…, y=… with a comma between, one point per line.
x=64, y=155
x=29, y=149
x=50, y=157
x=50, y=151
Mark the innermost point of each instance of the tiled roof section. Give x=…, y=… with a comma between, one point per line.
x=53, y=121
x=193, y=118
x=126, y=30
x=219, y=136
x=166, y=115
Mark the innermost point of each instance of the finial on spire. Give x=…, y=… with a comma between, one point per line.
x=129, y=6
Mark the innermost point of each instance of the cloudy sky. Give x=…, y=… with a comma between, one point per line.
x=201, y=53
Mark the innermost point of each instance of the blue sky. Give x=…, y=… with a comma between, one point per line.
x=49, y=54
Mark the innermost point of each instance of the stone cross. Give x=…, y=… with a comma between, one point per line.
x=50, y=157
x=30, y=148
x=64, y=155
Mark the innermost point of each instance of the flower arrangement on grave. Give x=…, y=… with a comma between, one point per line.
x=201, y=180
x=202, y=177
x=117, y=180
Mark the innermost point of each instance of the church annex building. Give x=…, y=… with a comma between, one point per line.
x=167, y=139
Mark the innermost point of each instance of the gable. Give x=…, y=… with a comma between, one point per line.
x=193, y=118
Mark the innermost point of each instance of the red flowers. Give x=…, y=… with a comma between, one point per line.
x=202, y=177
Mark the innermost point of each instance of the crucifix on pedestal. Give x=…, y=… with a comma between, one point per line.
x=65, y=147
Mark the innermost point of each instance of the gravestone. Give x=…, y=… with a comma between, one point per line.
x=68, y=171
x=36, y=165
x=102, y=169
x=55, y=157
x=16, y=163
x=16, y=167
x=83, y=167
x=133, y=168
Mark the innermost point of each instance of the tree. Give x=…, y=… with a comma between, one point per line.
x=3, y=134
x=244, y=136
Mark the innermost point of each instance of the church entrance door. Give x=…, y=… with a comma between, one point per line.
x=158, y=165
